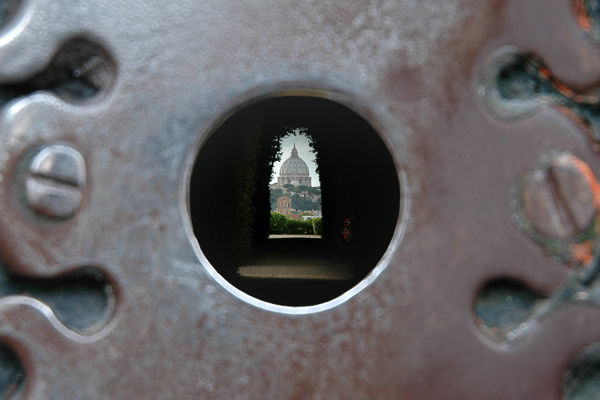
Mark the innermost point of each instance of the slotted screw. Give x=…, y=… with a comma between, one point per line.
x=55, y=182
x=559, y=197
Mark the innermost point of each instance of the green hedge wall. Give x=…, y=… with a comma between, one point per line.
x=280, y=224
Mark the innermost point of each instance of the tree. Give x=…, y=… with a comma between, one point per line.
x=303, y=204
x=278, y=223
x=317, y=226
x=274, y=195
x=315, y=191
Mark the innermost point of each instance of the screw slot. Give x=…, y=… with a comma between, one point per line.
x=558, y=197
x=556, y=205
x=56, y=181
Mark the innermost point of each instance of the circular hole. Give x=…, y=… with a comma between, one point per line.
x=231, y=200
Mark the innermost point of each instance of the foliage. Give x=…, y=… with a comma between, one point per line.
x=274, y=195
x=305, y=200
x=300, y=203
x=244, y=190
x=315, y=191
x=280, y=224
x=317, y=226
x=299, y=227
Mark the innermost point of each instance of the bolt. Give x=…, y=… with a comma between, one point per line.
x=560, y=197
x=55, y=181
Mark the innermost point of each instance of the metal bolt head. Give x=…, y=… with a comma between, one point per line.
x=55, y=181
x=560, y=197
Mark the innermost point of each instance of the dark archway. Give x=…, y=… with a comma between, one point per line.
x=230, y=207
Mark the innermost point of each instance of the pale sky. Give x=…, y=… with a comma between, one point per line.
x=304, y=152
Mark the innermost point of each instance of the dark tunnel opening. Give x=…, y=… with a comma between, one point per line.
x=230, y=201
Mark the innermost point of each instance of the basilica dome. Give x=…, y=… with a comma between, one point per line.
x=294, y=171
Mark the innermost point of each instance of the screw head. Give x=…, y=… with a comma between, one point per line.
x=55, y=181
x=560, y=197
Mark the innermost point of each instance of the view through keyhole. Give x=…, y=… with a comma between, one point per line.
x=295, y=191
x=330, y=239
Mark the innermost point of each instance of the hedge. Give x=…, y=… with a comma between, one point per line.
x=280, y=224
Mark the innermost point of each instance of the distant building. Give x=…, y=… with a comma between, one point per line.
x=311, y=214
x=284, y=205
x=294, y=171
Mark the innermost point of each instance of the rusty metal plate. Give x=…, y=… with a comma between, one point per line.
x=487, y=290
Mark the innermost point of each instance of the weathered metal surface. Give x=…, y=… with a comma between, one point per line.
x=416, y=71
